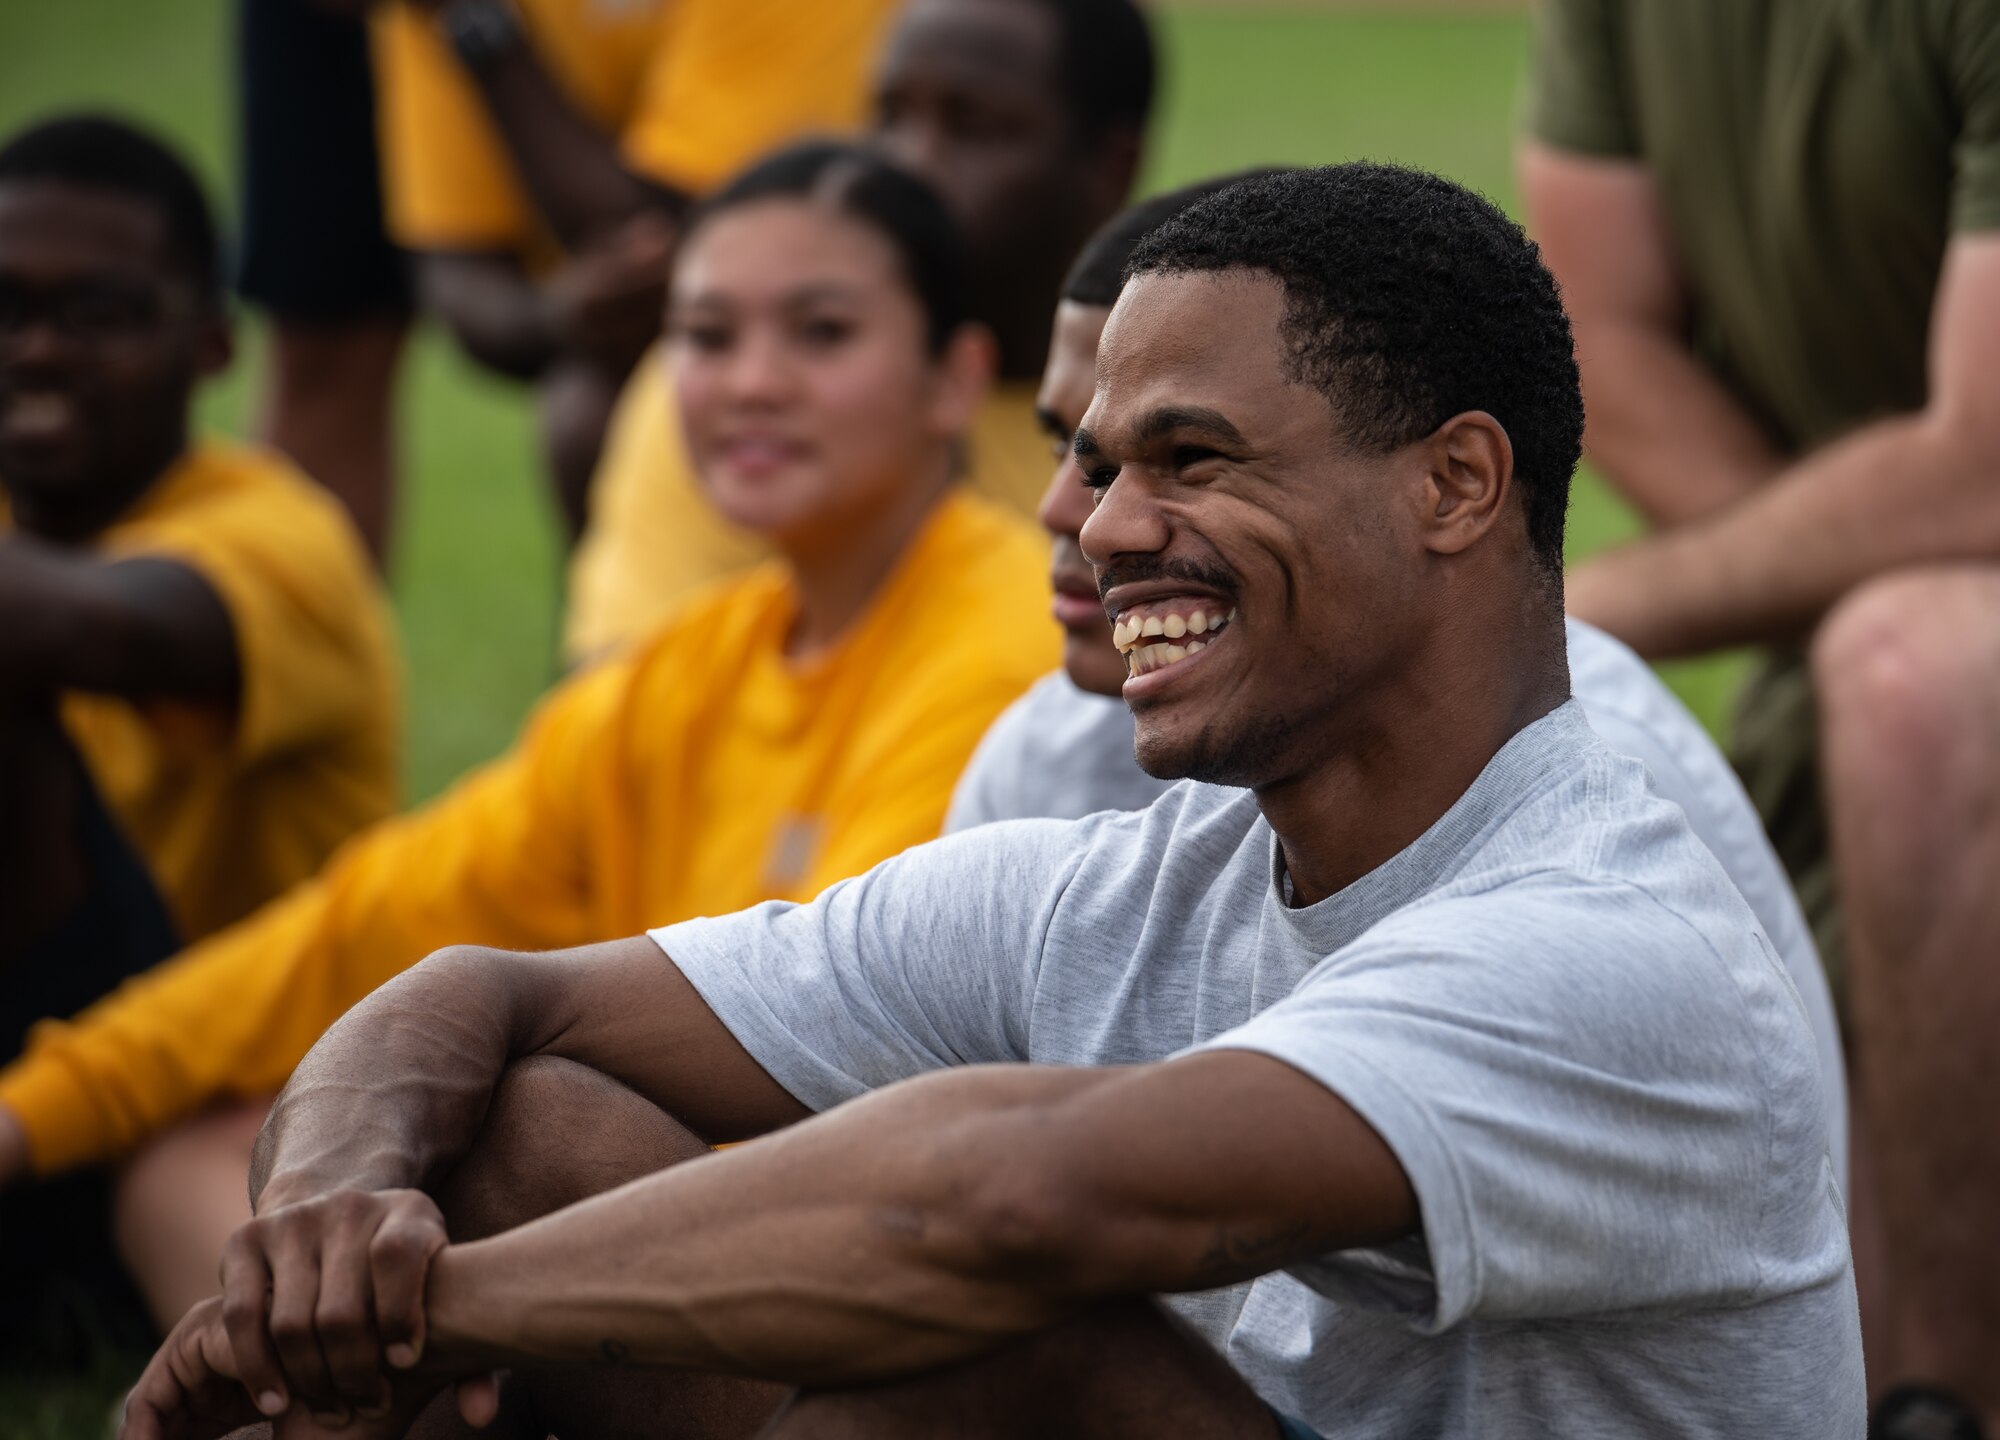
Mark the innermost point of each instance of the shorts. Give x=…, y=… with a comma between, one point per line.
x=313, y=246
x=65, y=1299
x=1290, y=1429
x=1775, y=749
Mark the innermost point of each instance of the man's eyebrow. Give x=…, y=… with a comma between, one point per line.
x=1084, y=444
x=1197, y=418
x=1051, y=422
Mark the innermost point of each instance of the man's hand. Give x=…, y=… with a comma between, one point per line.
x=192, y=1390
x=14, y=1166
x=606, y=302
x=323, y=1300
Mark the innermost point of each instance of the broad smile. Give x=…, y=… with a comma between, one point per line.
x=1159, y=634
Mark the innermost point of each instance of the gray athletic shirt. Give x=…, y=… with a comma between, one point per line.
x=1554, y=1008
x=1064, y=753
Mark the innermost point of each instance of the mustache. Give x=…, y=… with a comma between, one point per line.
x=1132, y=570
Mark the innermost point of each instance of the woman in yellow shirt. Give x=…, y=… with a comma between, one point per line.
x=791, y=727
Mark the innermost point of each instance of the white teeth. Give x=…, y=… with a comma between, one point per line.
x=1153, y=626
x=1197, y=622
x=1175, y=627
x=1175, y=654
x=1127, y=633
x=1193, y=646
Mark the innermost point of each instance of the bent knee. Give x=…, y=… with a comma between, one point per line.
x=557, y=1132
x=1907, y=667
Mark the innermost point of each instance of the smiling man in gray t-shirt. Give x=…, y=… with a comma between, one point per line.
x=1439, y=1075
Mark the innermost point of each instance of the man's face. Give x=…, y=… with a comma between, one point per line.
x=1067, y=383
x=969, y=97
x=1261, y=579
x=101, y=341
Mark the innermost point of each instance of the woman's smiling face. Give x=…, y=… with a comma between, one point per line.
x=806, y=388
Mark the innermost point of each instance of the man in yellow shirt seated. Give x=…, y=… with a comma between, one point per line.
x=791, y=727
x=197, y=679
x=537, y=155
x=1027, y=116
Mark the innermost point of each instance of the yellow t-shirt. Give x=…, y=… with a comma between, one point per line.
x=228, y=815
x=693, y=89
x=704, y=773
x=653, y=538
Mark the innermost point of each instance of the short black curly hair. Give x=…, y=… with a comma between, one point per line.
x=1408, y=300
x=103, y=152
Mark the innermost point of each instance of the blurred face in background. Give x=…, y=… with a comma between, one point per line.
x=809, y=396
x=1089, y=657
x=102, y=340
x=970, y=97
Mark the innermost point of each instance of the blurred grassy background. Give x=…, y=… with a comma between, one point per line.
x=476, y=572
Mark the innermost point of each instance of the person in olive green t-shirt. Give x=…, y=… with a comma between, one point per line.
x=1777, y=226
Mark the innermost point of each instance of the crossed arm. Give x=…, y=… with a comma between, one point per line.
x=1755, y=546
x=130, y=627
x=922, y=1224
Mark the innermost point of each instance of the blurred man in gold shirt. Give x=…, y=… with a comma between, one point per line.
x=1028, y=117
x=537, y=155
x=197, y=680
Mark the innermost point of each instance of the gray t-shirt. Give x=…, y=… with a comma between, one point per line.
x=1064, y=753
x=1554, y=1008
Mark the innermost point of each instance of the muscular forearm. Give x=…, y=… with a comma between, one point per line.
x=1901, y=492
x=397, y=1088
x=933, y=1220
x=1660, y=428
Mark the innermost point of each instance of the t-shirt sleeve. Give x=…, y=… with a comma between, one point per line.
x=926, y=961
x=1974, y=55
x=312, y=629
x=1577, y=84
x=1510, y=1055
x=448, y=183
x=734, y=78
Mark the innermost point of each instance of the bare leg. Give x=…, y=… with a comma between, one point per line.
x=556, y=1133
x=576, y=399
x=1908, y=671
x=178, y=1201
x=1125, y=1372
x=329, y=404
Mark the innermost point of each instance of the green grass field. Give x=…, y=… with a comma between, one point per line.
x=477, y=570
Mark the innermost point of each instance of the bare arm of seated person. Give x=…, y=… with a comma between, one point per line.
x=1908, y=490
x=133, y=627
x=926, y=1223
x=572, y=169
x=603, y=304
x=1666, y=434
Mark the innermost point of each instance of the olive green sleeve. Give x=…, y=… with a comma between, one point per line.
x=1974, y=57
x=1577, y=82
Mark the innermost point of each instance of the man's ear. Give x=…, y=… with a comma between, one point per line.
x=1471, y=463
x=966, y=373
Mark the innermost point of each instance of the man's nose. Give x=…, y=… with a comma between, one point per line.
x=1126, y=520
x=1066, y=502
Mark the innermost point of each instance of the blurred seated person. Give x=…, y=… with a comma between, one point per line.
x=539, y=153
x=792, y=726
x=1064, y=750
x=1778, y=230
x=197, y=677
x=1027, y=116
